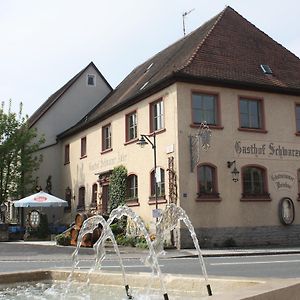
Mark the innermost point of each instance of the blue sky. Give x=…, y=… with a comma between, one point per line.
x=45, y=43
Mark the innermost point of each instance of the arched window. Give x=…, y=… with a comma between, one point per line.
x=160, y=181
x=94, y=195
x=207, y=181
x=132, y=187
x=254, y=182
x=68, y=197
x=298, y=176
x=81, y=198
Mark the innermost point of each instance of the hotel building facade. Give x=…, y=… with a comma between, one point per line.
x=244, y=190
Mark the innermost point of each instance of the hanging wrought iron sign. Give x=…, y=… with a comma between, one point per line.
x=201, y=140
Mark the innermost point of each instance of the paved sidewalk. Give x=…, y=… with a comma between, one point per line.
x=129, y=252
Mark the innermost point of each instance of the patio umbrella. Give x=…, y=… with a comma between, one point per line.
x=41, y=199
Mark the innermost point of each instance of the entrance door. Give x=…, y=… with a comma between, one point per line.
x=105, y=199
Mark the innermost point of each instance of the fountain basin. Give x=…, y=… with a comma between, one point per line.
x=190, y=287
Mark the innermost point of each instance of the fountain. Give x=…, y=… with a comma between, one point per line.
x=98, y=285
x=91, y=223
x=168, y=222
x=88, y=226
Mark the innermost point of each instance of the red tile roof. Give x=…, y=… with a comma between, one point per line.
x=227, y=50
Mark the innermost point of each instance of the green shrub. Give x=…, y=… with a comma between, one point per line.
x=132, y=241
x=63, y=239
x=119, y=227
x=141, y=242
x=117, y=187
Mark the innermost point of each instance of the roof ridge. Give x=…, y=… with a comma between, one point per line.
x=190, y=60
x=51, y=100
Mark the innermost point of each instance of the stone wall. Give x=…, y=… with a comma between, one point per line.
x=243, y=236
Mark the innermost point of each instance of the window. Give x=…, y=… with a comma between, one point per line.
x=67, y=154
x=94, y=195
x=204, y=109
x=106, y=137
x=131, y=126
x=160, y=182
x=68, y=198
x=254, y=182
x=83, y=147
x=132, y=187
x=298, y=176
x=91, y=80
x=251, y=114
x=298, y=118
x=266, y=69
x=207, y=181
x=157, y=115
x=81, y=199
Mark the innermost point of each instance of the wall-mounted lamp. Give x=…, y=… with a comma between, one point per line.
x=235, y=173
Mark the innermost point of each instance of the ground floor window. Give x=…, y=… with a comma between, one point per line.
x=207, y=182
x=81, y=198
x=254, y=182
x=132, y=187
x=158, y=178
x=94, y=195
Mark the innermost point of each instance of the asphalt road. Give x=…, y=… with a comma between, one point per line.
x=22, y=257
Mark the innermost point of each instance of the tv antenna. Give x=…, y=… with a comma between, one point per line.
x=183, y=16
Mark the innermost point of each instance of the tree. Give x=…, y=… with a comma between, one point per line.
x=117, y=187
x=18, y=145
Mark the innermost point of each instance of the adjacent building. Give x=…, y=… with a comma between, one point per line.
x=59, y=112
x=244, y=190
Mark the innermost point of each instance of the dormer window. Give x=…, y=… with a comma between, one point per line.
x=266, y=69
x=91, y=80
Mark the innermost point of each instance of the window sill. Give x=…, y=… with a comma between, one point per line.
x=106, y=151
x=131, y=141
x=157, y=131
x=253, y=130
x=213, y=197
x=66, y=163
x=84, y=156
x=132, y=202
x=160, y=200
x=253, y=198
x=194, y=125
x=207, y=199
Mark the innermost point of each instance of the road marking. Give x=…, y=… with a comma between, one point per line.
x=255, y=262
x=132, y=266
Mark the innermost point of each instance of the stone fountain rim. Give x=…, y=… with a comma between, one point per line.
x=250, y=288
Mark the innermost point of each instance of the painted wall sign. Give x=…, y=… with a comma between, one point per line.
x=267, y=150
x=107, y=162
x=283, y=180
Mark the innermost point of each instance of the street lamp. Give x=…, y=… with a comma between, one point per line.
x=143, y=141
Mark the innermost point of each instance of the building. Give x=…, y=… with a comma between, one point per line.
x=246, y=87
x=59, y=112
